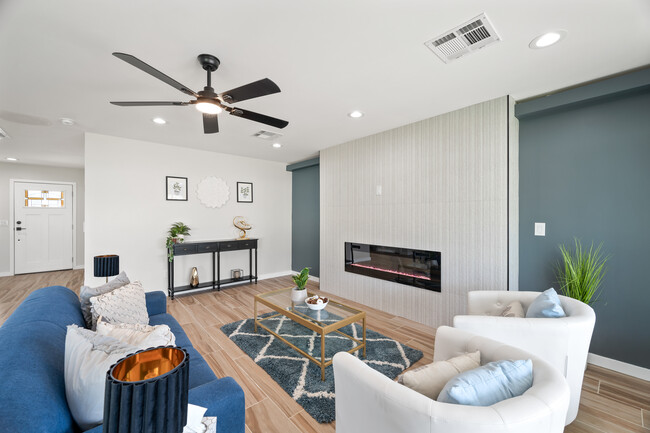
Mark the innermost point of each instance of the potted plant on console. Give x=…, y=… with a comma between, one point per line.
x=298, y=293
x=176, y=235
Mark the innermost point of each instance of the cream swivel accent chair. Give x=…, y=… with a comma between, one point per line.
x=562, y=342
x=369, y=402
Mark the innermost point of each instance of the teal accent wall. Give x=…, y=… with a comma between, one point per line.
x=305, y=216
x=584, y=167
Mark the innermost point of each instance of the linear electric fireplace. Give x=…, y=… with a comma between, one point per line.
x=417, y=268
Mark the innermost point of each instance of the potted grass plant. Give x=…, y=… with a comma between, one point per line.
x=581, y=272
x=176, y=235
x=298, y=293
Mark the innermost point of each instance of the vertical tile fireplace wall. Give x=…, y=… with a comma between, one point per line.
x=445, y=187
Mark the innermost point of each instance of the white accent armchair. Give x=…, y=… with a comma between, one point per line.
x=368, y=401
x=562, y=342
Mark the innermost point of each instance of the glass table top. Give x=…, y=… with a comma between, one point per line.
x=332, y=312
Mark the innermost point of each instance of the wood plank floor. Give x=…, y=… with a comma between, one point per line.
x=611, y=402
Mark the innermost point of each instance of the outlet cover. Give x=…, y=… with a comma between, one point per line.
x=540, y=229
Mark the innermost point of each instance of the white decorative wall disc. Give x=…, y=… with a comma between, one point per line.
x=213, y=192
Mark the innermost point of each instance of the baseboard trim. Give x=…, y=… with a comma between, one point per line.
x=274, y=275
x=78, y=267
x=6, y=274
x=619, y=366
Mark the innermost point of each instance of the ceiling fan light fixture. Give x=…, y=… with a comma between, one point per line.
x=208, y=107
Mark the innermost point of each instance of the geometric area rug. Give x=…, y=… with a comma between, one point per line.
x=300, y=377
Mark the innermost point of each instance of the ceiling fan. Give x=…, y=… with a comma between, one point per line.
x=207, y=101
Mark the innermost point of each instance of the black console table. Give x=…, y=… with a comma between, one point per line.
x=216, y=248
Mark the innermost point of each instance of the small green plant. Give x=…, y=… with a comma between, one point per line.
x=581, y=272
x=175, y=235
x=301, y=279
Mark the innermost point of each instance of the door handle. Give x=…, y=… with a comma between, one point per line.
x=20, y=228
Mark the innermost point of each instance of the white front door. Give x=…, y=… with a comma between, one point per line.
x=43, y=227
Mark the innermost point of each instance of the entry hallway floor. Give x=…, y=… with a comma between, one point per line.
x=611, y=402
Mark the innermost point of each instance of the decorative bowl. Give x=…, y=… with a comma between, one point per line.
x=318, y=302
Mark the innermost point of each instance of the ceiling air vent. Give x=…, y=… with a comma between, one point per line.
x=266, y=135
x=467, y=37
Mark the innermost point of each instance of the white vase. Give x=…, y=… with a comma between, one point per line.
x=298, y=296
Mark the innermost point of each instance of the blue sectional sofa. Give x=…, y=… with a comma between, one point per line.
x=32, y=348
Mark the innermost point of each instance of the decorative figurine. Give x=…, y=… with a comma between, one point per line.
x=194, y=278
x=242, y=225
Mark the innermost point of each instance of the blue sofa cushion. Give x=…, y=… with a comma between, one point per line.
x=58, y=305
x=156, y=303
x=32, y=394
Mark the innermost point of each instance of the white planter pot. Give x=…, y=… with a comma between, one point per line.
x=298, y=296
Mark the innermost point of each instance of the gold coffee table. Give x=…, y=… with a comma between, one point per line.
x=280, y=302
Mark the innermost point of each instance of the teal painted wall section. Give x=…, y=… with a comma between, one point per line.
x=305, y=219
x=585, y=172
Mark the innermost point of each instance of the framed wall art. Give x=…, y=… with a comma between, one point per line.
x=244, y=192
x=176, y=188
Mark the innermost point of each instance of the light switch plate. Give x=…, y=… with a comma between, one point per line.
x=378, y=190
x=540, y=229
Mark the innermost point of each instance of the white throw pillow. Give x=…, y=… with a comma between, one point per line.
x=135, y=334
x=88, y=292
x=514, y=309
x=88, y=356
x=126, y=304
x=431, y=380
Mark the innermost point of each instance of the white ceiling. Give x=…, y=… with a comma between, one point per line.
x=328, y=57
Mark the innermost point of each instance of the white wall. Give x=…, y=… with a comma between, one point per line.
x=37, y=172
x=445, y=188
x=127, y=214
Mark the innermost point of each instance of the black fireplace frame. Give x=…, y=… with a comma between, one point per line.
x=429, y=280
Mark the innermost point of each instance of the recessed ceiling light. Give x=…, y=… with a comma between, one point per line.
x=277, y=145
x=355, y=114
x=159, y=120
x=547, y=39
x=11, y=159
x=66, y=121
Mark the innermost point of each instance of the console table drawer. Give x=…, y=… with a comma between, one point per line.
x=205, y=248
x=181, y=249
x=236, y=245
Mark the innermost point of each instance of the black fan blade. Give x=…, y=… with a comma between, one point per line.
x=257, y=117
x=210, y=123
x=134, y=61
x=249, y=91
x=147, y=103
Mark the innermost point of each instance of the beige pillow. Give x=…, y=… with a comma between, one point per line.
x=136, y=334
x=88, y=356
x=513, y=309
x=126, y=304
x=429, y=381
x=88, y=292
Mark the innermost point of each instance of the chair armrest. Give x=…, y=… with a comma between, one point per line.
x=156, y=302
x=490, y=302
x=224, y=399
x=545, y=338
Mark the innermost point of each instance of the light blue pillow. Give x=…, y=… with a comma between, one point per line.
x=489, y=384
x=547, y=304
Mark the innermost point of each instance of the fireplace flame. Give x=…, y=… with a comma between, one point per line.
x=420, y=277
